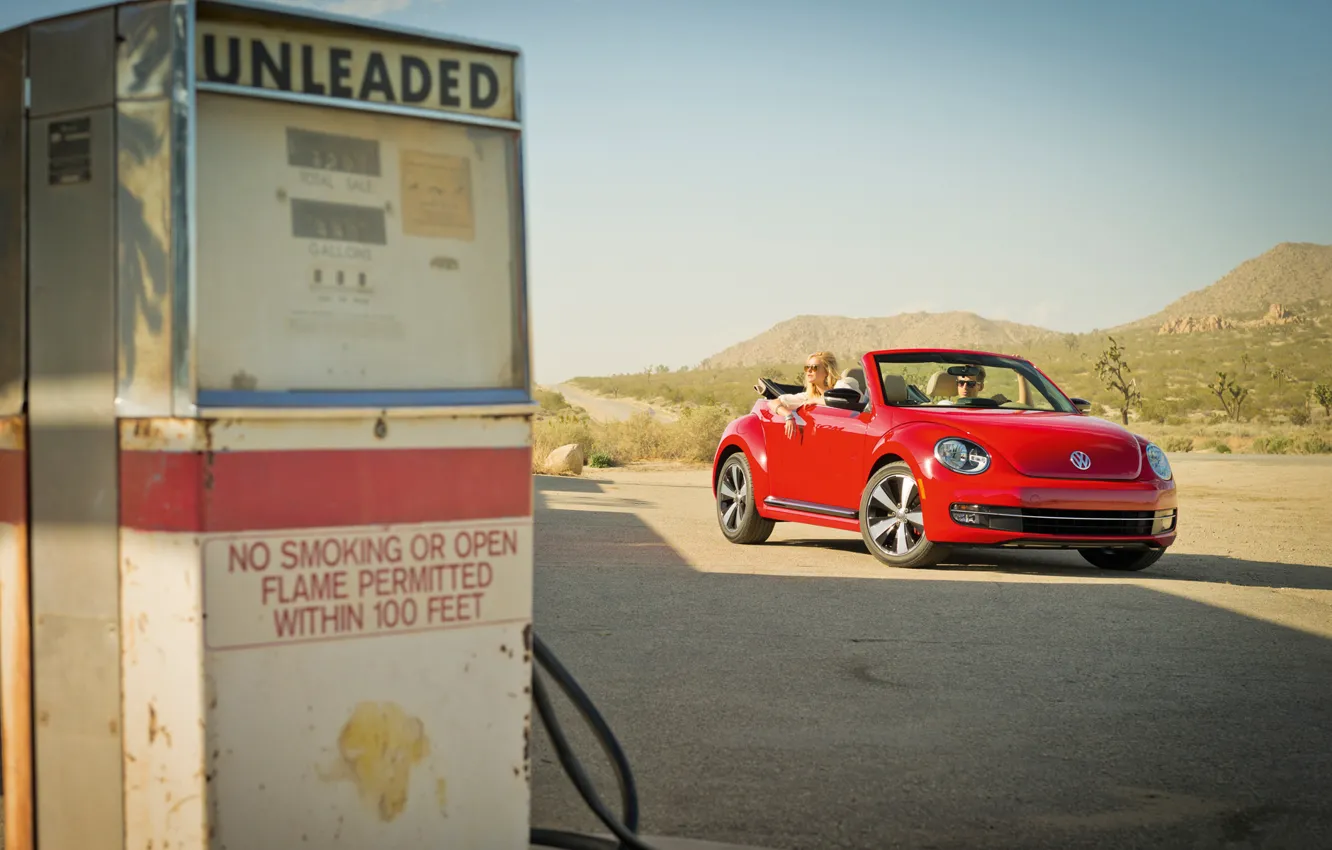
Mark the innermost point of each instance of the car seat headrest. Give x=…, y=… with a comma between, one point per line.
x=894, y=389
x=941, y=385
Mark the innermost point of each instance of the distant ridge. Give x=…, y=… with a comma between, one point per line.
x=793, y=339
x=1291, y=274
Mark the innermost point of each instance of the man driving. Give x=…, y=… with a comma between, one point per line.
x=968, y=385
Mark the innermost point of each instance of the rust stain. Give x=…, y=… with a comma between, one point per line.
x=13, y=433
x=182, y=801
x=379, y=745
x=442, y=796
x=154, y=729
x=207, y=427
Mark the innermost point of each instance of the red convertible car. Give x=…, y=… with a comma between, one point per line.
x=943, y=449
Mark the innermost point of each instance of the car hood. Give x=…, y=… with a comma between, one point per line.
x=1042, y=445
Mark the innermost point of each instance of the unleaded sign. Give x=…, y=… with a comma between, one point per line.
x=398, y=73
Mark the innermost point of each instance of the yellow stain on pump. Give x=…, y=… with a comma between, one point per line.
x=380, y=744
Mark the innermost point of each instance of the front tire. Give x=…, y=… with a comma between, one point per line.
x=737, y=515
x=892, y=523
x=1127, y=560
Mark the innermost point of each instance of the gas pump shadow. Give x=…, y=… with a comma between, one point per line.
x=560, y=491
x=584, y=523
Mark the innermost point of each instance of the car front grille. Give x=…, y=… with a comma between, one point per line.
x=1065, y=523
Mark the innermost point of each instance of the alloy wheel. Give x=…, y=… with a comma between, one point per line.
x=893, y=518
x=733, y=497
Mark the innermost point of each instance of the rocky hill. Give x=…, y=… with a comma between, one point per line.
x=1278, y=287
x=794, y=339
x=1275, y=285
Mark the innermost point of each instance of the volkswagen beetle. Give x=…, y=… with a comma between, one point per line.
x=948, y=448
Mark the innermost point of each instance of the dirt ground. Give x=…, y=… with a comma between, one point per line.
x=798, y=694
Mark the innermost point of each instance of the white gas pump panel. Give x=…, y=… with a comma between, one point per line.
x=357, y=250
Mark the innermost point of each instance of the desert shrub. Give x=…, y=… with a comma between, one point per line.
x=1154, y=410
x=1298, y=416
x=1221, y=448
x=1315, y=445
x=1277, y=444
x=1176, y=420
x=1178, y=444
x=551, y=401
x=550, y=433
x=696, y=435
x=600, y=460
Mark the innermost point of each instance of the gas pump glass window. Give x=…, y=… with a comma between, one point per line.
x=345, y=251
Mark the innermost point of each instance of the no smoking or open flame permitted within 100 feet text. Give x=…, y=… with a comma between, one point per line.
x=345, y=583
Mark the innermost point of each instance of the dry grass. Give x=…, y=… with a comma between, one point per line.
x=1215, y=434
x=693, y=438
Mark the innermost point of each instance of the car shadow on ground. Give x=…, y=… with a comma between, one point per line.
x=1174, y=566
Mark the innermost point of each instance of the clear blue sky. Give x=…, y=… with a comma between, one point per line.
x=700, y=170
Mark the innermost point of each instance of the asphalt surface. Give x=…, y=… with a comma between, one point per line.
x=798, y=695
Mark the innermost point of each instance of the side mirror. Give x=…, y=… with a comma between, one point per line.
x=843, y=398
x=1081, y=404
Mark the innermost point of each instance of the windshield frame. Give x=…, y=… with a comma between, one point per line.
x=1035, y=377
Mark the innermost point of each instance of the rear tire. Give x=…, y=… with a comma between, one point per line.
x=891, y=522
x=1127, y=560
x=736, y=512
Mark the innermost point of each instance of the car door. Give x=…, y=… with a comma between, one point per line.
x=781, y=451
x=825, y=465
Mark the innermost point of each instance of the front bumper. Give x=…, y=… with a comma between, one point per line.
x=1091, y=514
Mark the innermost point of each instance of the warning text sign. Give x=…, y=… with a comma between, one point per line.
x=323, y=585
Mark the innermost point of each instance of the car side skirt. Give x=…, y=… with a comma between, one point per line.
x=809, y=513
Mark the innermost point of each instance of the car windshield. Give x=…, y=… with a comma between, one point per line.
x=967, y=382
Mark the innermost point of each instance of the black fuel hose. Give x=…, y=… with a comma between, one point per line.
x=625, y=829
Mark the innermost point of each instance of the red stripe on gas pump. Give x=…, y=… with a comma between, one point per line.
x=255, y=491
x=13, y=487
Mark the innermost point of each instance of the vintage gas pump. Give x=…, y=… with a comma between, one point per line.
x=265, y=436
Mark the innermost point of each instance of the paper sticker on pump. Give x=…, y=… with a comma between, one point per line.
x=330, y=584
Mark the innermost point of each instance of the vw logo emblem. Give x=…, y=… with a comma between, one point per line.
x=1080, y=460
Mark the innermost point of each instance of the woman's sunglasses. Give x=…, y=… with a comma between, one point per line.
x=809, y=368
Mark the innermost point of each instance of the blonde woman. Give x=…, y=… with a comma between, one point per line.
x=820, y=374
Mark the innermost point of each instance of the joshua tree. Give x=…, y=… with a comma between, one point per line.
x=1112, y=369
x=1230, y=394
x=1322, y=393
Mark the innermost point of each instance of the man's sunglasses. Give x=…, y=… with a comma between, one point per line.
x=968, y=383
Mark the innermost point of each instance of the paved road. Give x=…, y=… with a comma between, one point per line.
x=604, y=409
x=797, y=695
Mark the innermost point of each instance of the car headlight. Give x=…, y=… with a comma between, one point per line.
x=1159, y=462
x=962, y=456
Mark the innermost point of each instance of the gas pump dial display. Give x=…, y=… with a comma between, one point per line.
x=358, y=251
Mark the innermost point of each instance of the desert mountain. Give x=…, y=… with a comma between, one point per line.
x=1272, y=288
x=794, y=339
x=1290, y=275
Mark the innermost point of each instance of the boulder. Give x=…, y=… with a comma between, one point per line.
x=1195, y=324
x=566, y=460
x=1278, y=315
